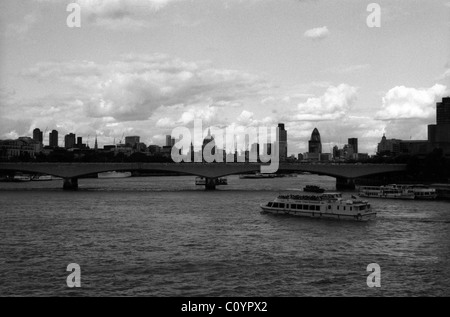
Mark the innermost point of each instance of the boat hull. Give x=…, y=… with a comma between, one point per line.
x=362, y=217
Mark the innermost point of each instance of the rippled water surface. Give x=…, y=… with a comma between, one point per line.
x=164, y=236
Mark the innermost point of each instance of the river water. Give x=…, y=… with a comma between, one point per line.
x=164, y=236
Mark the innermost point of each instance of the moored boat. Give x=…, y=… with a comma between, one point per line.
x=42, y=178
x=256, y=176
x=326, y=205
x=22, y=178
x=388, y=191
x=218, y=181
x=421, y=192
x=114, y=174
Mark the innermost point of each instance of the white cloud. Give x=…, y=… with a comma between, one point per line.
x=445, y=75
x=317, y=33
x=133, y=87
x=406, y=103
x=332, y=105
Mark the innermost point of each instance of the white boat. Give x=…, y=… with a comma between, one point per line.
x=114, y=174
x=421, y=192
x=326, y=205
x=256, y=176
x=42, y=178
x=218, y=181
x=388, y=191
x=21, y=178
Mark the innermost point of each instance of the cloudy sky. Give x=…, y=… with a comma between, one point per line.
x=143, y=67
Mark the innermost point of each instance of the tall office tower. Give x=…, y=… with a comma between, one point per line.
x=354, y=143
x=79, y=142
x=315, y=145
x=132, y=140
x=168, y=140
x=443, y=111
x=282, y=133
x=439, y=133
x=53, y=138
x=69, y=141
x=38, y=135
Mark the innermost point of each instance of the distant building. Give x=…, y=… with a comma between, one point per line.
x=395, y=147
x=388, y=147
x=315, y=144
x=254, y=151
x=354, y=143
x=439, y=133
x=267, y=149
x=53, y=138
x=314, y=157
x=207, y=140
x=132, y=141
x=109, y=148
x=69, y=141
x=282, y=142
x=326, y=157
x=24, y=146
x=154, y=149
x=443, y=111
x=38, y=135
x=168, y=140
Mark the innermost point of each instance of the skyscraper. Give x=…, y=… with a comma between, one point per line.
x=38, y=135
x=69, y=141
x=53, y=138
x=282, y=142
x=443, y=111
x=354, y=143
x=168, y=140
x=315, y=144
x=439, y=133
x=79, y=142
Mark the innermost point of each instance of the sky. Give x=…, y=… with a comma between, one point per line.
x=144, y=67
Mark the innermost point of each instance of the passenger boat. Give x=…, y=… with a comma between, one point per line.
x=22, y=178
x=219, y=181
x=114, y=174
x=421, y=192
x=388, y=191
x=326, y=205
x=42, y=178
x=313, y=189
x=442, y=190
x=256, y=176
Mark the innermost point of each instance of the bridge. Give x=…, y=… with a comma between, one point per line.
x=345, y=174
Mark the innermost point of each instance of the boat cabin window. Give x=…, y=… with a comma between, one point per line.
x=281, y=205
x=275, y=205
x=317, y=208
x=312, y=207
x=270, y=204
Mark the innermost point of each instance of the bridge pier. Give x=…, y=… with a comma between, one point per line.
x=345, y=183
x=210, y=183
x=70, y=184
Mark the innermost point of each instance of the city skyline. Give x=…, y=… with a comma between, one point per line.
x=305, y=63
